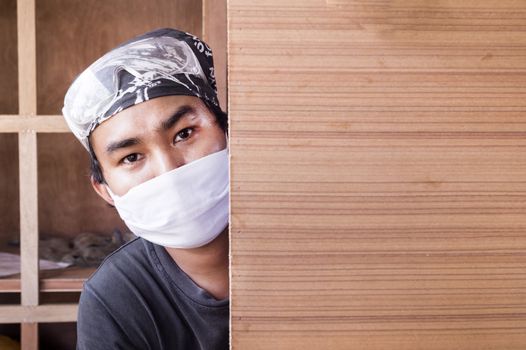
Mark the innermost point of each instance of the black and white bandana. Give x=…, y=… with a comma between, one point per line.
x=159, y=63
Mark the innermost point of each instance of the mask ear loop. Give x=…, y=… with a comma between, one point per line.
x=112, y=195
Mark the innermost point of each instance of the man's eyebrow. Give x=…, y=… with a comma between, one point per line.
x=114, y=146
x=170, y=122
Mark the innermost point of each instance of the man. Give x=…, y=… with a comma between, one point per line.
x=147, y=112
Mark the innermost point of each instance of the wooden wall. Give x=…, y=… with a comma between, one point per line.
x=378, y=174
x=70, y=35
x=9, y=204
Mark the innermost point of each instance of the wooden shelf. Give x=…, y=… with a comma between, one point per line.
x=38, y=314
x=69, y=279
x=38, y=123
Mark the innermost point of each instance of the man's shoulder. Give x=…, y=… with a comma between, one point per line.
x=112, y=307
x=128, y=262
x=123, y=279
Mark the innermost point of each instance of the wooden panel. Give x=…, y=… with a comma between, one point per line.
x=65, y=47
x=378, y=174
x=8, y=58
x=67, y=203
x=9, y=225
x=26, y=41
x=215, y=35
x=9, y=203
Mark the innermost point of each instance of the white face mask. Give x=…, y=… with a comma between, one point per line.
x=183, y=208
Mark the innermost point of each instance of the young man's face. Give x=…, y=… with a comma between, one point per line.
x=151, y=138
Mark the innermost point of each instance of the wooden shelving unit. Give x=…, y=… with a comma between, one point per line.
x=60, y=280
x=34, y=120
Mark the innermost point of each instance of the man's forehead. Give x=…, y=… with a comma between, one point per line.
x=152, y=112
x=153, y=116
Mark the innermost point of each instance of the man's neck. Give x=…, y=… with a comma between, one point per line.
x=207, y=266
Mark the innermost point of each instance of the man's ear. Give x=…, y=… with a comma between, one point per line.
x=102, y=191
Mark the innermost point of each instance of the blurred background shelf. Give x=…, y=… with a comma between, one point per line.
x=69, y=279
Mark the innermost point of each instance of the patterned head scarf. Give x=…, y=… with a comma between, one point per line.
x=159, y=63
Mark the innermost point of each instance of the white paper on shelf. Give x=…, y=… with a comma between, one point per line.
x=10, y=264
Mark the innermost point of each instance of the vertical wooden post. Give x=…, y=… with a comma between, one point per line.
x=27, y=147
x=29, y=335
x=27, y=144
x=215, y=35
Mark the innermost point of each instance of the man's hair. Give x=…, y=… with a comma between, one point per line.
x=96, y=170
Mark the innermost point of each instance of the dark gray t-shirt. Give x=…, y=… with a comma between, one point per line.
x=140, y=299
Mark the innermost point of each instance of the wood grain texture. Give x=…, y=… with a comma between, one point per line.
x=27, y=153
x=378, y=174
x=27, y=58
x=29, y=336
x=10, y=123
x=9, y=205
x=215, y=35
x=61, y=312
x=8, y=58
x=29, y=233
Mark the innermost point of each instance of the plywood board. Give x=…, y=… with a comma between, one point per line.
x=9, y=225
x=8, y=58
x=9, y=205
x=378, y=174
x=215, y=35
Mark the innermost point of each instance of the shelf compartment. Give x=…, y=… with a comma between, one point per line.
x=8, y=58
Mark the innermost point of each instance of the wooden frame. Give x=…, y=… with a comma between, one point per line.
x=27, y=145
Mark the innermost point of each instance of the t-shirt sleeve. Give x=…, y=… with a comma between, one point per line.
x=97, y=329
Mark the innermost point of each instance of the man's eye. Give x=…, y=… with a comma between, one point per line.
x=183, y=134
x=131, y=158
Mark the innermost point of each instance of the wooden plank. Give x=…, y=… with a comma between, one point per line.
x=215, y=35
x=29, y=336
x=27, y=77
x=27, y=146
x=377, y=174
x=38, y=123
x=27, y=150
x=39, y=313
x=61, y=280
